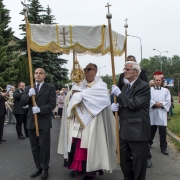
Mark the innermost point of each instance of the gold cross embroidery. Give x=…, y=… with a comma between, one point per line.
x=64, y=35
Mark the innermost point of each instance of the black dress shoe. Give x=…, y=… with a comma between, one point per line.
x=164, y=152
x=36, y=173
x=149, y=163
x=21, y=137
x=3, y=140
x=44, y=175
x=88, y=178
x=100, y=172
x=125, y=178
x=72, y=174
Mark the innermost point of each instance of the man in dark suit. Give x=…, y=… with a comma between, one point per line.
x=121, y=83
x=19, y=112
x=45, y=97
x=142, y=76
x=134, y=103
x=2, y=115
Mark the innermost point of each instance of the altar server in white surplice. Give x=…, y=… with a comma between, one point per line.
x=87, y=135
x=159, y=106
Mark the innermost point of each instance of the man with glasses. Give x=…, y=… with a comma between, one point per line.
x=90, y=73
x=122, y=81
x=134, y=104
x=90, y=128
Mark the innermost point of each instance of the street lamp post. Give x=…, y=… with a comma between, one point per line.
x=140, y=43
x=100, y=68
x=160, y=56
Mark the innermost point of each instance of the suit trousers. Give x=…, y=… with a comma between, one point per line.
x=162, y=136
x=21, y=119
x=134, y=168
x=11, y=117
x=2, y=119
x=40, y=147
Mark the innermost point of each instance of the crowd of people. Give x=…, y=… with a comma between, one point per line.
x=60, y=96
x=87, y=137
x=16, y=114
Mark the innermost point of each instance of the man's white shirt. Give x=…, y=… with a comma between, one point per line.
x=158, y=116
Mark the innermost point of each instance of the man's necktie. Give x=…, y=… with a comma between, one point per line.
x=37, y=88
x=128, y=88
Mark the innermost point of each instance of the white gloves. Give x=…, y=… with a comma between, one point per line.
x=25, y=107
x=114, y=107
x=31, y=92
x=35, y=110
x=115, y=90
x=126, y=81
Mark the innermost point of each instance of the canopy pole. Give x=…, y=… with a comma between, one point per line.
x=74, y=58
x=126, y=26
x=30, y=70
x=109, y=16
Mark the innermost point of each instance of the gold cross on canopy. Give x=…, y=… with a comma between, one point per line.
x=64, y=35
x=108, y=6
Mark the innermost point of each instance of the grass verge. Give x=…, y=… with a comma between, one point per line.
x=174, y=123
x=175, y=98
x=175, y=143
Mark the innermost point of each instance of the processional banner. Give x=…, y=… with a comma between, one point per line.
x=81, y=39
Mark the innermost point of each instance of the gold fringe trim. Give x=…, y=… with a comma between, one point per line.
x=57, y=35
x=73, y=107
x=78, y=118
x=70, y=30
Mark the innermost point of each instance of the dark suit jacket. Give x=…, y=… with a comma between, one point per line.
x=143, y=76
x=46, y=101
x=134, y=112
x=18, y=109
x=2, y=106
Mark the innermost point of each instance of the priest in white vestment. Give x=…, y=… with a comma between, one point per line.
x=159, y=106
x=87, y=135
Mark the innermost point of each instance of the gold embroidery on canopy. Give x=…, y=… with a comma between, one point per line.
x=70, y=29
x=53, y=47
x=57, y=35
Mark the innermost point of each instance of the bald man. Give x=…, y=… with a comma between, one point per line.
x=159, y=106
x=45, y=97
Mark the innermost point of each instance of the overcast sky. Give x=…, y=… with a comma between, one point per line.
x=156, y=22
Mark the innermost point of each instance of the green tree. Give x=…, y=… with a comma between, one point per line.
x=23, y=74
x=34, y=16
x=57, y=74
x=8, y=57
x=170, y=68
x=109, y=80
x=50, y=62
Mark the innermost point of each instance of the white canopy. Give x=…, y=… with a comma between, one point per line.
x=81, y=39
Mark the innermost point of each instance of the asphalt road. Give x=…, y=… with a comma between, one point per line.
x=16, y=162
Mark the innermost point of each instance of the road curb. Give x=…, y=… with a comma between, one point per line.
x=174, y=136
